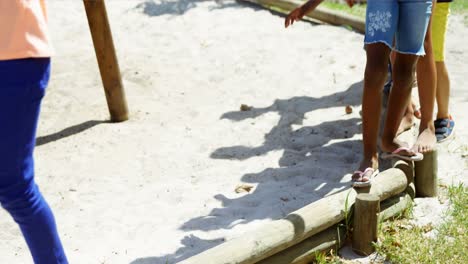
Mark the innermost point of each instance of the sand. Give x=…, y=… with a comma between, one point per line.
x=161, y=187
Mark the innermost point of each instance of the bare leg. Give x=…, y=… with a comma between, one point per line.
x=408, y=119
x=427, y=81
x=399, y=99
x=374, y=80
x=443, y=91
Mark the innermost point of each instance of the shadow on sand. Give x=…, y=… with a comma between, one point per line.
x=68, y=132
x=314, y=162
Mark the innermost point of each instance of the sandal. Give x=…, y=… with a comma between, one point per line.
x=444, y=128
x=396, y=155
x=359, y=184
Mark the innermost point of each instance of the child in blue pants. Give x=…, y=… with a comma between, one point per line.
x=22, y=86
x=24, y=73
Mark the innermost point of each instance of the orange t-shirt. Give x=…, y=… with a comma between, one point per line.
x=23, y=30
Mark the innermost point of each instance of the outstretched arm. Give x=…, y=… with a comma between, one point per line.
x=298, y=13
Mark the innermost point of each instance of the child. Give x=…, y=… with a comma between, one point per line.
x=433, y=81
x=444, y=123
x=427, y=80
x=24, y=72
x=406, y=21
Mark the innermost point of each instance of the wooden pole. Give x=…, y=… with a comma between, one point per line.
x=425, y=178
x=366, y=210
x=107, y=59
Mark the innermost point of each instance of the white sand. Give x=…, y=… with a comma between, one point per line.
x=160, y=187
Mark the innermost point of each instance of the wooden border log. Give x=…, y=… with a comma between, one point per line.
x=335, y=236
x=297, y=226
x=411, y=190
x=107, y=59
x=406, y=166
x=323, y=14
x=366, y=211
x=304, y=252
x=394, y=206
x=425, y=178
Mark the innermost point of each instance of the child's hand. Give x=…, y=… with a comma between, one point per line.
x=295, y=15
x=350, y=3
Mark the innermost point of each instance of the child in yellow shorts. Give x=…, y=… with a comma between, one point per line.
x=444, y=123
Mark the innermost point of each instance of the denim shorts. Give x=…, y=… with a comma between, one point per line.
x=403, y=23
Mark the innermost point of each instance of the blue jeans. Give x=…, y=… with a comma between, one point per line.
x=404, y=21
x=22, y=87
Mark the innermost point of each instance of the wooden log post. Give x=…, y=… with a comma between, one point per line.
x=366, y=210
x=107, y=59
x=425, y=179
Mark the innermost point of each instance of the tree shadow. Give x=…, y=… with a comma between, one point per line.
x=154, y=8
x=67, y=132
x=310, y=176
x=315, y=162
x=192, y=245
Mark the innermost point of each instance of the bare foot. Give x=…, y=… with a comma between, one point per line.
x=408, y=120
x=372, y=163
x=390, y=146
x=406, y=123
x=426, y=140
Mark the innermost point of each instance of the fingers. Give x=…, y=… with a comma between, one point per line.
x=292, y=17
x=289, y=20
x=417, y=113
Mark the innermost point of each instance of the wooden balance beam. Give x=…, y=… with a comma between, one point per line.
x=107, y=59
x=319, y=226
x=279, y=235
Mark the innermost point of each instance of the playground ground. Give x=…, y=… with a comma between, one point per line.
x=161, y=187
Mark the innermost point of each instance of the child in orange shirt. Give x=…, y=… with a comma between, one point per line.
x=24, y=73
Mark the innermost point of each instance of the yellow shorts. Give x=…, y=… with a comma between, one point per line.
x=439, y=28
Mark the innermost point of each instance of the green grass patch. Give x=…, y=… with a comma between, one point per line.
x=459, y=6
x=400, y=242
x=356, y=10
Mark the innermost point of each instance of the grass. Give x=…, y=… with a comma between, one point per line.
x=400, y=242
x=348, y=214
x=356, y=10
x=459, y=6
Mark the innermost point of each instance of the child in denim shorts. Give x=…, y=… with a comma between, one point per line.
x=406, y=22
